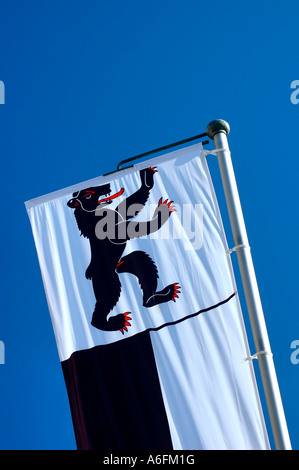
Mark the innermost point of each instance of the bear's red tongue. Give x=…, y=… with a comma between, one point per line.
x=112, y=197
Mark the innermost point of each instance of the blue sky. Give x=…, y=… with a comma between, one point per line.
x=90, y=83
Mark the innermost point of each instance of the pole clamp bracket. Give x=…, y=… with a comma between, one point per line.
x=257, y=355
x=235, y=248
x=204, y=153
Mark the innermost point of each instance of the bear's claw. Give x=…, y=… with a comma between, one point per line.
x=153, y=168
x=127, y=323
x=176, y=291
x=166, y=203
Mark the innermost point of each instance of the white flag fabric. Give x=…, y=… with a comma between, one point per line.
x=145, y=310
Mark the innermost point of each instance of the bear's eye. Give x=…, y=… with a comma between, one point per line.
x=88, y=194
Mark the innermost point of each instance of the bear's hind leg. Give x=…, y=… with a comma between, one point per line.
x=107, y=294
x=118, y=322
x=143, y=267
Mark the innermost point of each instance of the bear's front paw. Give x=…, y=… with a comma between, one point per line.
x=166, y=203
x=147, y=176
x=164, y=210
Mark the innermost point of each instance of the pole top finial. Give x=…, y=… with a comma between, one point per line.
x=219, y=125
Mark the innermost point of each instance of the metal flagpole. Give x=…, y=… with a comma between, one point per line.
x=218, y=131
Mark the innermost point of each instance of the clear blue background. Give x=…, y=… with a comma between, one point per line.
x=90, y=83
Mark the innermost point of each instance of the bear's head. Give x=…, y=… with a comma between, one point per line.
x=92, y=198
x=85, y=204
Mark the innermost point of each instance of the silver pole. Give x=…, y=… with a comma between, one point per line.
x=218, y=131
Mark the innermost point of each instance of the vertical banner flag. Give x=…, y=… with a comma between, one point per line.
x=145, y=310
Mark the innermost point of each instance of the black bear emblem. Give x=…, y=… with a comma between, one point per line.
x=91, y=209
